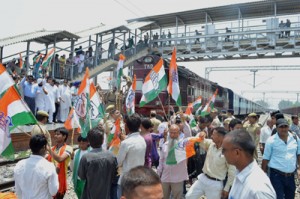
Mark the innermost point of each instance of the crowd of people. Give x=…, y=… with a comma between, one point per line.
x=225, y=164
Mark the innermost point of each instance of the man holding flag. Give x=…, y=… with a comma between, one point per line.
x=210, y=182
x=172, y=176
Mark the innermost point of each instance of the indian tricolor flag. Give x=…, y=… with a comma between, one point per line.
x=210, y=104
x=120, y=70
x=20, y=61
x=155, y=82
x=130, y=99
x=37, y=58
x=188, y=112
x=13, y=113
x=5, y=79
x=82, y=107
x=72, y=121
x=113, y=140
x=48, y=58
x=173, y=87
x=197, y=103
x=183, y=150
x=97, y=107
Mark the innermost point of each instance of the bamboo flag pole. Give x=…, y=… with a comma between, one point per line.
x=72, y=139
x=23, y=132
x=163, y=108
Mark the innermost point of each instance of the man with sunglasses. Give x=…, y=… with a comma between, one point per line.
x=281, y=154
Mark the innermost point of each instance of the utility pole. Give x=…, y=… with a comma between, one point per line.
x=254, y=72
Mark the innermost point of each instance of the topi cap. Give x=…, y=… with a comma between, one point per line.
x=281, y=122
x=252, y=115
x=42, y=113
x=39, y=80
x=109, y=108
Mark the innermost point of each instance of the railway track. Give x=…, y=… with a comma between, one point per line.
x=7, y=186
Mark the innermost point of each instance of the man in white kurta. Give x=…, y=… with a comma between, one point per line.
x=40, y=98
x=65, y=100
x=50, y=100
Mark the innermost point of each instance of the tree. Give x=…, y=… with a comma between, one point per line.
x=285, y=104
x=263, y=103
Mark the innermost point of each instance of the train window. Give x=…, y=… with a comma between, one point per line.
x=191, y=91
x=148, y=60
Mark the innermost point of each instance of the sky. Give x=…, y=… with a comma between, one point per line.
x=23, y=16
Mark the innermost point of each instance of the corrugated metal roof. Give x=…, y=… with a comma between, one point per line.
x=101, y=29
x=42, y=36
x=138, y=24
x=257, y=9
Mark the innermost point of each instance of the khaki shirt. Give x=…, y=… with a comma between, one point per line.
x=254, y=131
x=215, y=164
x=155, y=123
x=37, y=130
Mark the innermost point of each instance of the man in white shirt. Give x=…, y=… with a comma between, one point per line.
x=35, y=177
x=250, y=181
x=41, y=95
x=50, y=99
x=132, y=149
x=65, y=100
x=265, y=133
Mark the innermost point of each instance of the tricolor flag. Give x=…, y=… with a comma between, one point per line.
x=155, y=82
x=72, y=121
x=130, y=99
x=188, y=112
x=5, y=79
x=120, y=70
x=183, y=150
x=37, y=58
x=48, y=58
x=197, y=103
x=21, y=61
x=210, y=104
x=113, y=140
x=97, y=106
x=82, y=106
x=13, y=113
x=173, y=87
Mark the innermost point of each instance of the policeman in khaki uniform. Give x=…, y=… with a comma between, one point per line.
x=42, y=118
x=154, y=121
x=253, y=128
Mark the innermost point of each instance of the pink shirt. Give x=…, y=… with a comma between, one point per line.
x=171, y=173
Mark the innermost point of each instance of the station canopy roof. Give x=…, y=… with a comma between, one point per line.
x=41, y=36
x=102, y=29
x=256, y=9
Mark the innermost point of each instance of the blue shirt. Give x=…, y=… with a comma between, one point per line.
x=29, y=90
x=282, y=156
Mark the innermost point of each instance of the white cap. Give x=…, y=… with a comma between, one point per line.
x=161, y=127
x=39, y=80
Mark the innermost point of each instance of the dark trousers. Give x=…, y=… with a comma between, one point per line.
x=31, y=103
x=56, y=111
x=284, y=185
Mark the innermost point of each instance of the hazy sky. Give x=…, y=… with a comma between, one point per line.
x=22, y=16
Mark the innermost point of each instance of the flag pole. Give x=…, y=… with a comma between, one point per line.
x=72, y=140
x=23, y=132
x=162, y=107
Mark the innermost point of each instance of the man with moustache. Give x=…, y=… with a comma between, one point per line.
x=172, y=176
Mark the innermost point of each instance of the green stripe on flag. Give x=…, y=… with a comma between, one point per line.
x=154, y=93
x=171, y=159
x=9, y=152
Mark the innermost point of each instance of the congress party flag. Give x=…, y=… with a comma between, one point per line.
x=173, y=87
x=155, y=82
x=120, y=70
x=210, y=104
x=130, y=99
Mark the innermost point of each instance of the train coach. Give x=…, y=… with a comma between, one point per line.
x=191, y=86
